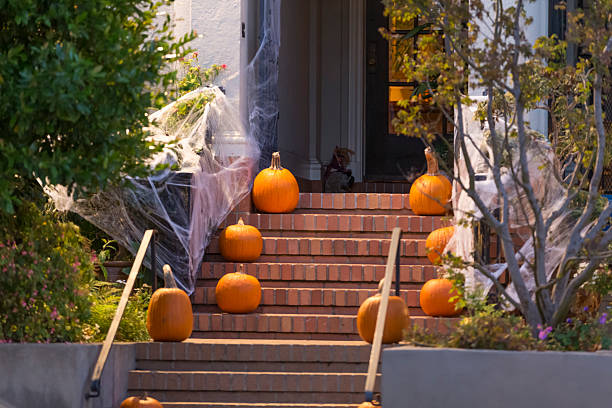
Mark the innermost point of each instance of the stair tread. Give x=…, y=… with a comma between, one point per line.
x=254, y=404
x=173, y=372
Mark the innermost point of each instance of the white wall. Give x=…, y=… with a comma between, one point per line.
x=217, y=23
x=538, y=28
x=539, y=10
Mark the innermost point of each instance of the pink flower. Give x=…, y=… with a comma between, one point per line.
x=54, y=314
x=224, y=66
x=23, y=303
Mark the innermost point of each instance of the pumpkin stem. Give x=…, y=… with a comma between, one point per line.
x=241, y=268
x=432, y=163
x=240, y=222
x=380, y=285
x=275, y=164
x=169, y=281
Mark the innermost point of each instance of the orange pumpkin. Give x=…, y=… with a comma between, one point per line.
x=170, y=317
x=238, y=292
x=435, y=298
x=395, y=322
x=436, y=242
x=140, y=402
x=430, y=193
x=275, y=190
x=240, y=242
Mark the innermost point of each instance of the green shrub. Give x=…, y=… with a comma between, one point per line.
x=493, y=329
x=104, y=298
x=45, y=267
x=76, y=81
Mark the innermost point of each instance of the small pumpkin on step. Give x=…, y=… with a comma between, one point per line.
x=238, y=292
x=140, y=402
x=435, y=298
x=396, y=321
x=275, y=189
x=240, y=242
x=430, y=193
x=436, y=242
x=170, y=316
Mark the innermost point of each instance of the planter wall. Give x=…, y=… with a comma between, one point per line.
x=429, y=377
x=57, y=375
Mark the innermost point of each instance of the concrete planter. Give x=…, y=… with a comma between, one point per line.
x=437, y=378
x=57, y=375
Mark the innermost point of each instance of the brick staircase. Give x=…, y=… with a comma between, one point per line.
x=300, y=348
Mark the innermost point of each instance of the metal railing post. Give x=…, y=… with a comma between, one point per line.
x=153, y=261
x=94, y=387
x=392, y=260
x=397, y=265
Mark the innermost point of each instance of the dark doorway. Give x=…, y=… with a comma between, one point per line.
x=388, y=155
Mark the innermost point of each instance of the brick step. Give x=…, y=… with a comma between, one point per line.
x=315, y=275
x=235, y=386
x=345, y=211
x=252, y=366
x=301, y=297
x=327, y=259
x=328, y=310
x=218, y=335
x=338, y=222
x=351, y=201
x=337, y=247
x=293, y=326
x=252, y=405
x=224, y=350
x=339, y=234
x=256, y=399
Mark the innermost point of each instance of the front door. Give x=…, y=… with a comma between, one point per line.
x=389, y=156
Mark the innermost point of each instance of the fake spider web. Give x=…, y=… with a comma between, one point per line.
x=212, y=157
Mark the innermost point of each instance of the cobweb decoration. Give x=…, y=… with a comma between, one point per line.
x=549, y=192
x=211, y=158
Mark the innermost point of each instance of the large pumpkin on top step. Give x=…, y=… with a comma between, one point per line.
x=430, y=193
x=435, y=296
x=437, y=241
x=140, y=402
x=275, y=190
x=396, y=321
x=240, y=242
x=238, y=292
x=169, y=317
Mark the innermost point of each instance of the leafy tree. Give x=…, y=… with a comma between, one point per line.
x=76, y=79
x=485, y=46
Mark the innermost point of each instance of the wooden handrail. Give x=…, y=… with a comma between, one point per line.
x=94, y=387
x=392, y=260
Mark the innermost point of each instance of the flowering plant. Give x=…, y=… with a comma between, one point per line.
x=44, y=270
x=194, y=76
x=579, y=335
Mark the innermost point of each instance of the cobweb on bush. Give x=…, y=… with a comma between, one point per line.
x=549, y=191
x=211, y=158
